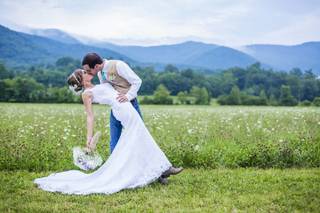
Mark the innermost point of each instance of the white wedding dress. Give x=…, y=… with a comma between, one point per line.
x=135, y=162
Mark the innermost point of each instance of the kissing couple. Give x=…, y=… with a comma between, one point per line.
x=136, y=160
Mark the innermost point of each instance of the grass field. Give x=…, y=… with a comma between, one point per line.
x=263, y=159
x=194, y=190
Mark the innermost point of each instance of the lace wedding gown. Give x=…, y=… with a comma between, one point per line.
x=135, y=162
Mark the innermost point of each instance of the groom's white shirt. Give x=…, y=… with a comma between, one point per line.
x=127, y=73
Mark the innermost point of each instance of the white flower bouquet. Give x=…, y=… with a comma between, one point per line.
x=87, y=158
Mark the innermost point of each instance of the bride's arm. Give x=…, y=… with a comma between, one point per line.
x=87, y=101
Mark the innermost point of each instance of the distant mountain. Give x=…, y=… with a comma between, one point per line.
x=55, y=34
x=305, y=56
x=47, y=45
x=190, y=53
x=222, y=58
x=176, y=53
x=24, y=49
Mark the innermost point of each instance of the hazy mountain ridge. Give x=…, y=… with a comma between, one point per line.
x=18, y=48
x=22, y=48
x=190, y=53
x=285, y=57
x=55, y=34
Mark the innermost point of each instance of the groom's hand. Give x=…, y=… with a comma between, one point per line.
x=122, y=98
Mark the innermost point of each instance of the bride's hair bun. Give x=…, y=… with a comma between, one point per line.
x=75, y=80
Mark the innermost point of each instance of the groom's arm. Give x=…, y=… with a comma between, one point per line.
x=127, y=73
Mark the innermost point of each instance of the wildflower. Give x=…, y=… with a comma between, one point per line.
x=196, y=147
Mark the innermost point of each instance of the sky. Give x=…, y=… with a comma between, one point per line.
x=152, y=22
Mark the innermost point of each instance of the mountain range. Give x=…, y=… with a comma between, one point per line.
x=18, y=48
x=46, y=45
x=305, y=56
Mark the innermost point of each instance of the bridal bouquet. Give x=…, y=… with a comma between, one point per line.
x=87, y=158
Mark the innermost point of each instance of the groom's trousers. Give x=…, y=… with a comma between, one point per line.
x=116, y=127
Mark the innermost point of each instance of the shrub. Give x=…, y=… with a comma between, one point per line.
x=162, y=95
x=201, y=95
x=316, y=101
x=286, y=98
x=146, y=100
x=305, y=103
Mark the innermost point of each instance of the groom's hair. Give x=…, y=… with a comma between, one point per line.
x=91, y=59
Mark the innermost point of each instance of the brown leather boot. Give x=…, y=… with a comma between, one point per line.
x=163, y=181
x=171, y=171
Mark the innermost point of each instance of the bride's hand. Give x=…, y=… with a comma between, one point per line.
x=87, y=150
x=89, y=139
x=88, y=147
x=122, y=98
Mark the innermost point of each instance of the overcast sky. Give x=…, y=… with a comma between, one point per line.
x=225, y=22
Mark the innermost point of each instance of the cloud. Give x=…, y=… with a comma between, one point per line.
x=217, y=21
x=304, y=29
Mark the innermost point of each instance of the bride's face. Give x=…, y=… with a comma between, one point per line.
x=87, y=78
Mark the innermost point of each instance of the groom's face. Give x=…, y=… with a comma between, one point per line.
x=91, y=71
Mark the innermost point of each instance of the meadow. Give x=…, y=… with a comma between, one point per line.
x=236, y=158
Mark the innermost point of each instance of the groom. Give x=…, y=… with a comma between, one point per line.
x=127, y=83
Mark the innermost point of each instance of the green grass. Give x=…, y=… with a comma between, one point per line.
x=212, y=142
x=40, y=137
x=194, y=190
x=213, y=101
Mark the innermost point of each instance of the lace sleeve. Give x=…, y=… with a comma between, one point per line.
x=86, y=93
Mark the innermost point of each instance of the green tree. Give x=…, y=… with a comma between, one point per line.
x=171, y=68
x=309, y=89
x=4, y=73
x=201, y=95
x=234, y=97
x=286, y=98
x=162, y=95
x=272, y=100
x=263, y=98
x=67, y=63
x=21, y=89
x=316, y=101
x=182, y=97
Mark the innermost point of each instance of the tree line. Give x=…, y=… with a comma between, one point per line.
x=253, y=85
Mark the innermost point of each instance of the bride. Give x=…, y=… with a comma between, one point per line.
x=136, y=160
